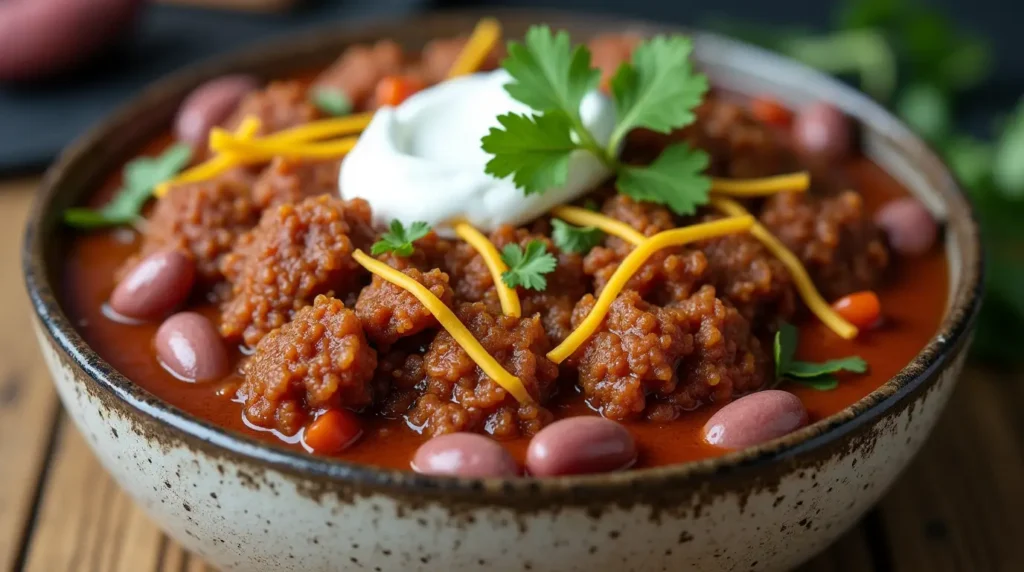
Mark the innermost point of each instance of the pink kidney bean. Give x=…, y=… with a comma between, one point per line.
x=155, y=286
x=822, y=130
x=754, y=419
x=209, y=105
x=909, y=226
x=189, y=346
x=464, y=455
x=580, y=445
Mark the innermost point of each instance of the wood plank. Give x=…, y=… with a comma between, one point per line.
x=851, y=553
x=959, y=505
x=28, y=403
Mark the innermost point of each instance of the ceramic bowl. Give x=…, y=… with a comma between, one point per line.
x=244, y=505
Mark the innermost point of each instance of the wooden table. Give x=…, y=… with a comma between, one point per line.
x=960, y=506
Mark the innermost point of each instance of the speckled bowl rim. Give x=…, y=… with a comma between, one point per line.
x=954, y=330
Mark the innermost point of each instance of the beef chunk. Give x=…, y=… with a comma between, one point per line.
x=318, y=360
x=389, y=313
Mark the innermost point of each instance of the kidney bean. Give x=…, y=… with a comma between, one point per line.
x=190, y=348
x=464, y=455
x=754, y=419
x=209, y=105
x=911, y=229
x=822, y=130
x=155, y=286
x=39, y=37
x=580, y=445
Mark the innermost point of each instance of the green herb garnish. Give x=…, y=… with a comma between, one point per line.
x=527, y=268
x=657, y=90
x=332, y=101
x=571, y=238
x=141, y=176
x=399, y=240
x=820, y=375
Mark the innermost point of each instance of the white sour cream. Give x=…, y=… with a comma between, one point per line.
x=422, y=161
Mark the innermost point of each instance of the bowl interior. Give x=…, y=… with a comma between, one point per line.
x=730, y=64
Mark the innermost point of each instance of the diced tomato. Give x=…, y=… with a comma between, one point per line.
x=394, y=89
x=332, y=431
x=771, y=112
x=862, y=309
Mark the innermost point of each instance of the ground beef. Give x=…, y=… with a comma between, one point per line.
x=440, y=54
x=609, y=51
x=429, y=253
x=318, y=360
x=203, y=219
x=295, y=253
x=739, y=145
x=458, y=396
x=389, y=312
x=281, y=105
x=288, y=180
x=469, y=275
x=399, y=375
x=566, y=284
x=360, y=68
x=751, y=278
x=655, y=360
x=669, y=274
x=833, y=236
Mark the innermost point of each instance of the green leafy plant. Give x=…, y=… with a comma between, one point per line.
x=527, y=268
x=331, y=101
x=818, y=375
x=571, y=238
x=658, y=90
x=399, y=240
x=140, y=176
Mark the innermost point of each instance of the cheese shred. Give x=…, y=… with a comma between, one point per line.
x=450, y=322
x=632, y=263
x=793, y=182
x=221, y=163
x=801, y=279
x=486, y=249
x=481, y=42
x=260, y=150
x=584, y=217
x=322, y=129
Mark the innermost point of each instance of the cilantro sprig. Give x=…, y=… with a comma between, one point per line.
x=399, y=240
x=140, y=176
x=331, y=101
x=658, y=90
x=818, y=375
x=527, y=267
x=571, y=238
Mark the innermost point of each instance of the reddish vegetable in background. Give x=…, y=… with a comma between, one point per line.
x=39, y=37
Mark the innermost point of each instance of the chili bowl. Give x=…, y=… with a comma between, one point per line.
x=247, y=505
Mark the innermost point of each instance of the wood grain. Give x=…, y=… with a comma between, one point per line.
x=28, y=403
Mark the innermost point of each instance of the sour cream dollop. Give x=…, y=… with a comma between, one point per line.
x=422, y=160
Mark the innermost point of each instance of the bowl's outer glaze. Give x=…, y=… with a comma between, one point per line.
x=248, y=506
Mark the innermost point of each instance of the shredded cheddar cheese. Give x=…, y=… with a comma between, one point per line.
x=260, y=150
x=803, y=281
x=632, y=263
x=793, y=182
x=450, y=322
x=485, y=248
x=584, y=217
x=485, y=36
x=215, y=166
x=334, y=127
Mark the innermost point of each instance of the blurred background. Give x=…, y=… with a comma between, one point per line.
x=948, y=67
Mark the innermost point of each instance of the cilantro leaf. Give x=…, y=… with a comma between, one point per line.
x=1008, y=169
x=815, y=375
x=660, y=90
x=570, y=238
x=674, y=179
x=399, y=239
x=527, y=268
x=332, y=101
x=534, y=150
x=547, y=73
x=140, y=176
